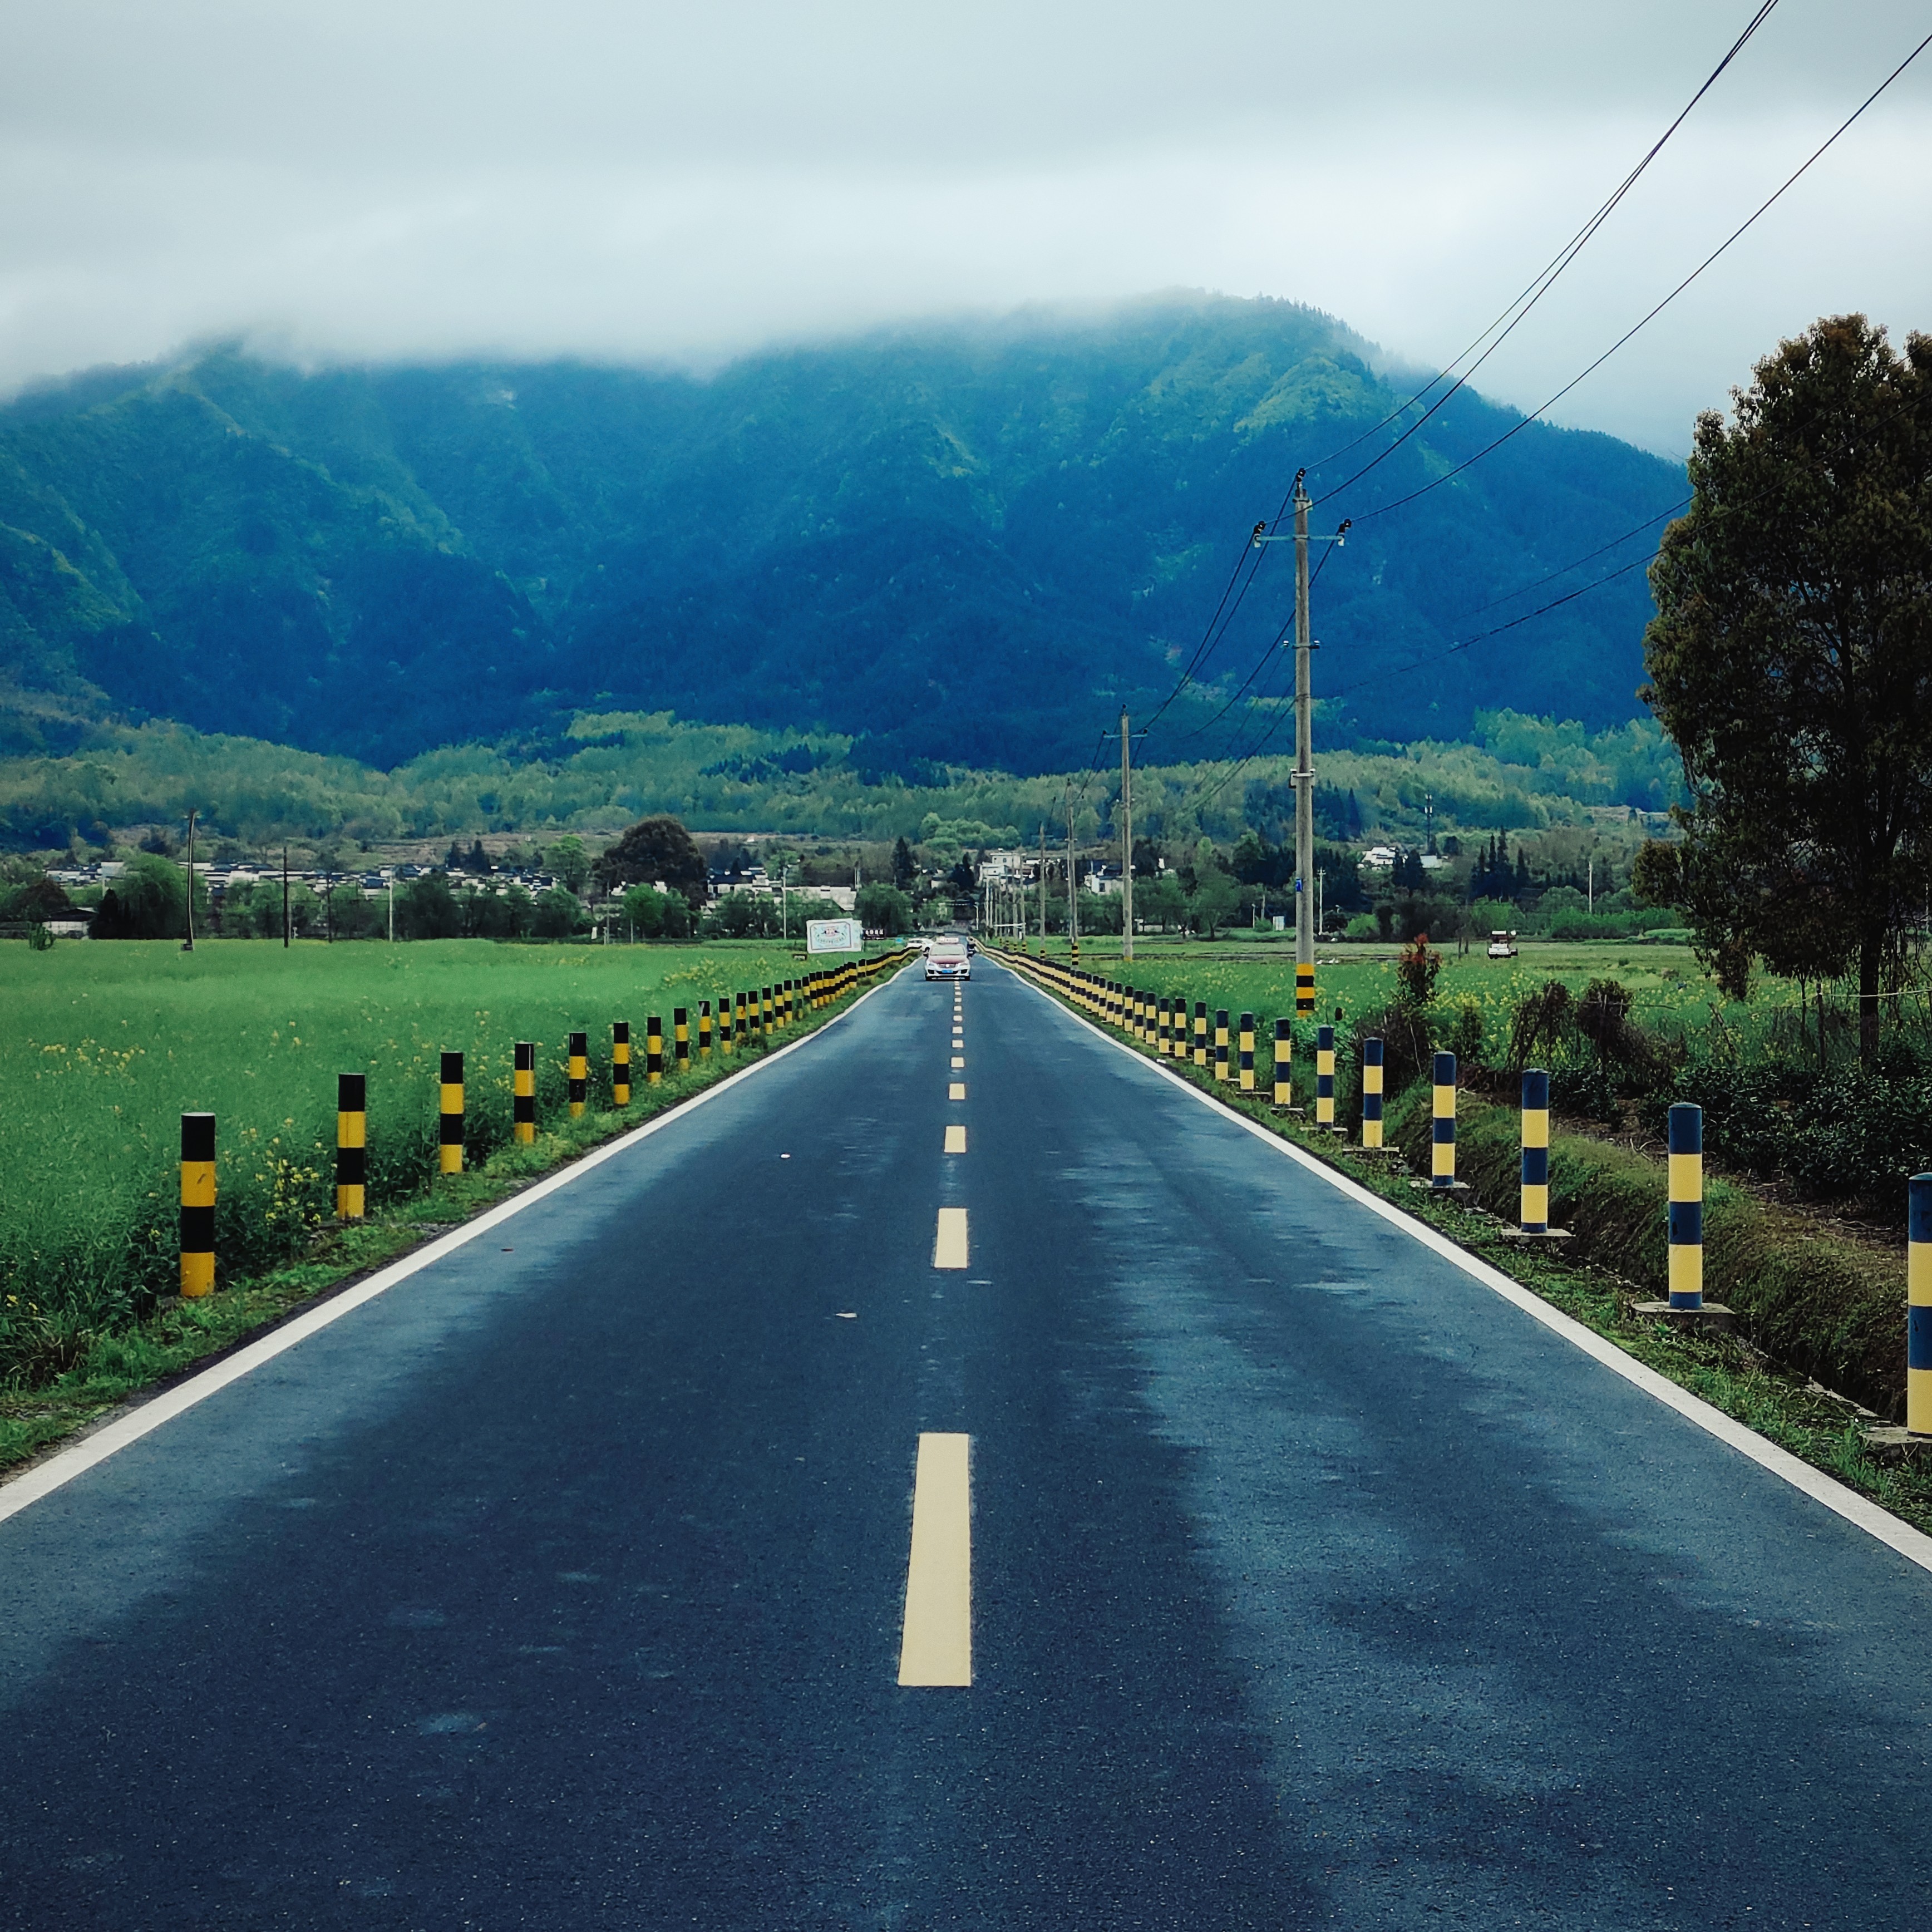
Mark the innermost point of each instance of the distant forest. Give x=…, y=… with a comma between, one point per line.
x=945, y=548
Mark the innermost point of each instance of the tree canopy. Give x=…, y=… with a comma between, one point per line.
x=1791, y=663
x=657, y=851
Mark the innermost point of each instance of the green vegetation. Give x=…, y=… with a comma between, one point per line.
x=103, y=1047
x=958, y=544
x=1791, y=661
x=1527, y=776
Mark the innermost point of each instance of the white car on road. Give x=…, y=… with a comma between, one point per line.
x=947, y=959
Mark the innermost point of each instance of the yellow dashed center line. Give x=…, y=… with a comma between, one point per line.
x=956, y=1090
x=936, y=1645
x=958, y=1062
x=949, y=1242
x=956, y=1140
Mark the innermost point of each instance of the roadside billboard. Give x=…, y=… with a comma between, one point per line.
x=834, y=935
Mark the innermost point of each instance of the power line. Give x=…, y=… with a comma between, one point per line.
x=1539, y=285
x=1763, y=208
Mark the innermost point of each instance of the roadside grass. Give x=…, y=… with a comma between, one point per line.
x=102, y=1048
x=1667, y=985
x=1784, y=1404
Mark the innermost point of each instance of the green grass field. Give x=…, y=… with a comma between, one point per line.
x=1666, y=985
x=103, y=1047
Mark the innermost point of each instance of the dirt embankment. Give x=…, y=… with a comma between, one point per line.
x=1832, y=1305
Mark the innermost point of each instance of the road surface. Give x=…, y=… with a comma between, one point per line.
x=1299, y=1578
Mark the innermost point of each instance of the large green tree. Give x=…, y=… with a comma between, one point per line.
x=1791, y=661
x=657, y=851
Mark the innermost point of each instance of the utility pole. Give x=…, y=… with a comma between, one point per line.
x=1072, y=885
x=187, y=944
x=1304, y=749
x=1127, y=844
x=1043, y=888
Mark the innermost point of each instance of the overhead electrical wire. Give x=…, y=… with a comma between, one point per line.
x=1764, y=207
x=1514, y=312
x=1539, y=286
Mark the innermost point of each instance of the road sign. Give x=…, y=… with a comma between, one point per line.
x=834, y=935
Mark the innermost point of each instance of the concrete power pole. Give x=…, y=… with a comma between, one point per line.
x=1304, y=750
x=1042, y=886
x=1072, y=884
x=1126, y=845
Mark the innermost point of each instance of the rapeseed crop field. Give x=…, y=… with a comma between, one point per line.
x=103, y=1046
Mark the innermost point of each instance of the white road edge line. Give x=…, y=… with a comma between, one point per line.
x=41, y=1479
x=1915, y=1546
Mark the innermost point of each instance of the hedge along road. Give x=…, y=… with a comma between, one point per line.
x=1287, y=1574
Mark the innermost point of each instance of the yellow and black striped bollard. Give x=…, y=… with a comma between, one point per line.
x=1284, y=1064
x=1442, y=1123
x=704, y=1029
x=1221, y=1043
x=1371, y=1092
x=351, y=1146
x=1163, y=1026
x=579, y=1073
x=524, y=1093
x=1247, y=1052
x=1918, y=1310
x=784, y=1004
x=449, y=1122
x=1686, y=1206
x=741, y=1024
x=620, y=1063
x=654, y=1052
x=761, y=1011
x=1304, y=992
x=1324, y=1076
x=197, y=1205
x=1535, y=1216
x=680, y=1037
x=1201, y=1032
x=724, y=1035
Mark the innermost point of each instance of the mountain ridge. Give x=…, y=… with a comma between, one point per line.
x=971, y=545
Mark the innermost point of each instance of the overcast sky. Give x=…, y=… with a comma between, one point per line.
x=636, y=182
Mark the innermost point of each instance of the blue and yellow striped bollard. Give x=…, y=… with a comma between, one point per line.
x=1324, y=1076
x=1442, y=1126
x=351, y=1146
x=654, y=1052
x=524, y=1093
x=680, y=1037
x=1535, y=1213
x=1284, y=1064
x=1371, y=1092
x=1918, y=1311
x=449, y=1120
x=579, y=1074
x=1686, y=1206
x=620, y=1063
x=1246, y=1048
x=1304, y=992
x=197, y=1205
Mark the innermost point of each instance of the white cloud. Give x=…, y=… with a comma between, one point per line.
x=652, y=183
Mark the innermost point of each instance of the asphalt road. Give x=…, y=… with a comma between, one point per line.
x=1312, y=1583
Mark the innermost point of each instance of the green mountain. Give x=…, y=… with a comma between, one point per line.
x=968, y=545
